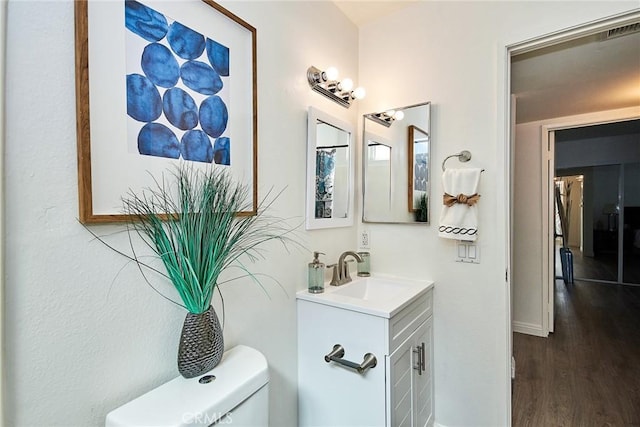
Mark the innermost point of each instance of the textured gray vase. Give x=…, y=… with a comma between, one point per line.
x=201, y=344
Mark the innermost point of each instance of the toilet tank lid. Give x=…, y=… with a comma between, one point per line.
x=241, y=372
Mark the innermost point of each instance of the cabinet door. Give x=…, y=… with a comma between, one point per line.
x=423, y=379
x=330, y=394
x=399, y=382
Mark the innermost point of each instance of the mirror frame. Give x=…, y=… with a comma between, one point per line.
x=311, y=222
x=365, y=117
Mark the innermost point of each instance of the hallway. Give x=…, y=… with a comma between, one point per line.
x=587, y=372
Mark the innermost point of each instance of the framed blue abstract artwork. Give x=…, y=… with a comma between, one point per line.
x=159, y=83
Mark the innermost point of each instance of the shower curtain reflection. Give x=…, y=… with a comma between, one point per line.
x=325, y=177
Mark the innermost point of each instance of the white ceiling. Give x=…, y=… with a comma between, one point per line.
x=363, y=12
x=575, y=77
x=581, y=76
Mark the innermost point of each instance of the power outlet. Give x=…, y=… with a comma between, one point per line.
x=365, y=239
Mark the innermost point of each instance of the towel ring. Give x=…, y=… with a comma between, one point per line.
x=463, y=156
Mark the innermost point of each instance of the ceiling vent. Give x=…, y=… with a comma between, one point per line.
x=621, y=31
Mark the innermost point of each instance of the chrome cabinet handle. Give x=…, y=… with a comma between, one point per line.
x=422, y=358
x=337, y=353
x=418, y=352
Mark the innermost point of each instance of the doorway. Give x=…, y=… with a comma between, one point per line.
x=533, y=169
x=531, y=248
x=603, y=201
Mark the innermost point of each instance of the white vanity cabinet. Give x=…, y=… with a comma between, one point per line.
x=410, y=385
x=398, y=391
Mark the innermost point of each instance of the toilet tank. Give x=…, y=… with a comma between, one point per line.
x=233, y=393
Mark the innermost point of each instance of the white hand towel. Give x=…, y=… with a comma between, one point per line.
x=459, y=221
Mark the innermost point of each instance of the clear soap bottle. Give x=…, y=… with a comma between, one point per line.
x=316, y=274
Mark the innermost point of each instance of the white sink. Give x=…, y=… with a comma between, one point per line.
x=380, y=295
x=372, y=288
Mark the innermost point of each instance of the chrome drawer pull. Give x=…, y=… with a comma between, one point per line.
x=418, y=351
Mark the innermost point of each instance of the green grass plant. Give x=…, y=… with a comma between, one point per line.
x=189, y=218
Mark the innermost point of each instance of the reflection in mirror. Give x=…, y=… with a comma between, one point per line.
x=332, y=167
x=329, y=172
x=418, y=144
x=396, y=165
x=378, y=172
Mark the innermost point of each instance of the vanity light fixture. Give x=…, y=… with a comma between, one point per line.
x=386, y=118
x=326, y=82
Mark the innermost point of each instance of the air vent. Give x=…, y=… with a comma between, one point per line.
x=621, y=31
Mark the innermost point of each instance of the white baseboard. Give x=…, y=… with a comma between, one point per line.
x=528, y=328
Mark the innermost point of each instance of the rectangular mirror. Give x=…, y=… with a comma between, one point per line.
x=330, y=171
x=396, y=165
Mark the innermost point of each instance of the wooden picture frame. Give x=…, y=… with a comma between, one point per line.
x=121, y=144
x=418, y=180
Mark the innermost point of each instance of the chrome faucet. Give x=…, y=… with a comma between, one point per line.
x=341, y=269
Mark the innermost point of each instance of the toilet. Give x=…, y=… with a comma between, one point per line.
x=236, y=392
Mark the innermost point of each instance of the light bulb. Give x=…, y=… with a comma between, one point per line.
x=390, y=113
x=358, y=93
x=399, y=115
x=346, y=84
x=331, y=73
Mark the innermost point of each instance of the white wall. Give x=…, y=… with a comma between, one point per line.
x=84, y=333
x=3, y=16
x=453, y=54
x=528, y=274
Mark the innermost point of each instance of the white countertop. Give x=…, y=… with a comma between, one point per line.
x=379, y=295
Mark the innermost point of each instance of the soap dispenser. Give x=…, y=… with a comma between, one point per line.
x=316, y=274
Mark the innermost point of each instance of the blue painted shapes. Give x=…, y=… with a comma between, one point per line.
x=218, y=56
x=143, y=99
x=145, y=22
x=213, y=116
x=185, y=42
x=180, y=109
x=158, y=140
x=222, y=151
x=196, y=146
x=200, y=77
x=159, y=65
x=180, y=67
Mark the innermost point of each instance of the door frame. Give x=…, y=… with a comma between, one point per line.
x=548, y=171
x=548, y=228
x=3, y=29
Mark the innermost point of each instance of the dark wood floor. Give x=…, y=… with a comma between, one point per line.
x=604, y=266
x=586, y=373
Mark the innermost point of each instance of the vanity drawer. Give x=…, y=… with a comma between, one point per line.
x=405, y=322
